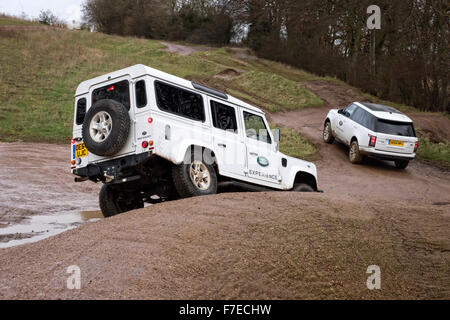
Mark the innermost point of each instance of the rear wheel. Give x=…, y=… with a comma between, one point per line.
x=327, y=133
x=194, y=179
x=113, y=201
x=302, y=187
x=401, y=164
x=355, y=155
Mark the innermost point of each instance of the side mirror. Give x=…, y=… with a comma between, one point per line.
x=277, y=135
x=341, y=111
x=277, y=138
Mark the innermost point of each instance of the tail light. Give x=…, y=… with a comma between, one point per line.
x=373, y=140
x=416, y=147
x=144, y=144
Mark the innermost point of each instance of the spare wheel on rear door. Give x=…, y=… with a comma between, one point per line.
x=106, y=127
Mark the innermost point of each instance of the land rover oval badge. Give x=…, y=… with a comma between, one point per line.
x=263, y=161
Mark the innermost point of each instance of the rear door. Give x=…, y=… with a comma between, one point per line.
x=262, y=160
x=119, y=90
x=392, y=136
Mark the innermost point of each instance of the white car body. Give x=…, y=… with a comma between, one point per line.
x=389, y=145
x=238, y=156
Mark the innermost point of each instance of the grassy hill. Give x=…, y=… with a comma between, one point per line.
x=40, y=68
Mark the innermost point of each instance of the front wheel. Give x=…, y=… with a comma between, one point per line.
x=401, y=164
x=327, y=133
x=302, y=187
x=194, y=179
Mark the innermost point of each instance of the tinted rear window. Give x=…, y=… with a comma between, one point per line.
x=179, y=101
x=395, y=128
x=141, y=94
x=364, y=118
x=119, y=92
x=81, y=111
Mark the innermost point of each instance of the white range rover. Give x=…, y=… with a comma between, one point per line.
x=150, y=136
x=373, y=130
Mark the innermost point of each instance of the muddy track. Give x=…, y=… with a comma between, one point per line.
x=184, y=50
x=277, y=245
x=374, y=178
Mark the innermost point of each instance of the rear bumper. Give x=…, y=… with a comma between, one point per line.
x=112, y=169
x=383, y=155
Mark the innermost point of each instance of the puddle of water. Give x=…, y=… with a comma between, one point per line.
x=37, y=228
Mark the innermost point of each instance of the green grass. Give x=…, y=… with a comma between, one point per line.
x=278, y=90
x=6, y=20
x=42, y=67
x=438, y=153
x=254, y=100
x=294, y=145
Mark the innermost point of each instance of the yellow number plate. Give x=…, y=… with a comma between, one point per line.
x=396, y=143
x=81, y=151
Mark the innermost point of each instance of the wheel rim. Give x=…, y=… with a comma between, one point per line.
x=326, y=133
x=101, y=126
x=200, y=175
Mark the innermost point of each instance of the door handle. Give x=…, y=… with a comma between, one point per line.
x=253, y=154
x=222, y=145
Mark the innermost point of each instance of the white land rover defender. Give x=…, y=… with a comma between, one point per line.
x=150, y=136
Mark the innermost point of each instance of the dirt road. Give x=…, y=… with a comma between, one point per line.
x=374, y=179
x=243, y=246
x=183, y=50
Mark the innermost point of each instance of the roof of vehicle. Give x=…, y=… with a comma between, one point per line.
x=140, y=70
x=384, y=112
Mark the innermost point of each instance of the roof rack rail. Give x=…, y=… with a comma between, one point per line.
x=210, y=91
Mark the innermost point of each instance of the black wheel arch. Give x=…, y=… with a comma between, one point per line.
x=307, y=178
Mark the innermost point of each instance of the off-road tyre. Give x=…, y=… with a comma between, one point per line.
x=354, y=154
x=113, y=201
x=302, y=187
x=327, y=133
x=401, y=164
x=119, y=131
x=185, y=186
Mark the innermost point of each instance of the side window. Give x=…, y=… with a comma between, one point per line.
x=119, y=92
x=81, y=111
x=179, y=101
x=349, y=110
x=141, y=94
x=358, y=116
x=368, y=120
x=255, y=127
x=223, y=117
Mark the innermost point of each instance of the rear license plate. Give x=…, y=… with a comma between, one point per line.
x=396, y=143
x=80, y=151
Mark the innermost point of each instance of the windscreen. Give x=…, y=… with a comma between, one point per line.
x=395, y=128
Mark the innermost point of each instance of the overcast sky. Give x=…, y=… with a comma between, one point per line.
x=65, y=9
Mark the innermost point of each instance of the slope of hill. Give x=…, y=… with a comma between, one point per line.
x=40, y=68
